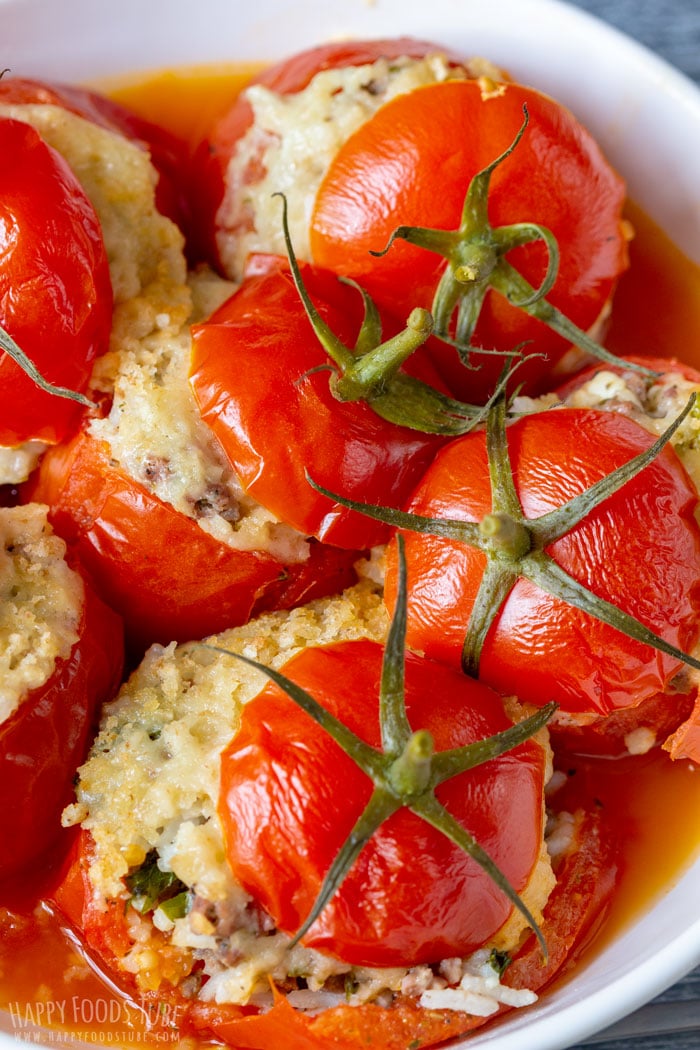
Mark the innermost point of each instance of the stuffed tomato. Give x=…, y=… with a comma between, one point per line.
x=142, y=490
x=542, y=217
x=559, y=555
x=61, y=658
x=226, y=233
x=187, y=904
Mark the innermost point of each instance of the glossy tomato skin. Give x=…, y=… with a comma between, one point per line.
x=211, y=158
x=290, y=797
x=411, y=163
x=168, y=578
x=45, y=740
x=168, y=153
x=55, y=289
x=261, y=381
x=640, y=550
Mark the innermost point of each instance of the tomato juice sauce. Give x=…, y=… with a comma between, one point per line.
x=46, y=980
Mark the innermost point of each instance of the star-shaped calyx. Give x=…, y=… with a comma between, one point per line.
x=476, y=254
x=516, y=546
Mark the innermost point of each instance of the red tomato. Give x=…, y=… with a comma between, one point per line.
x=411, y=164
x=538, y=646
x=212, y=157
x=290, y=797
x=55, y=289
x=255, y=374
x=167, y=577
x=395, y=1027
x=678, y=722
x=168, y=153
x=44, y=741
x=585, y=882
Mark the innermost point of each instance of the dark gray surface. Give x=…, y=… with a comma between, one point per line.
x=671, y=28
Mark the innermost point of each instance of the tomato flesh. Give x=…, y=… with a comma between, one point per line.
x=168, y=578
x=212, y=156
x=586, y=881
x=44, y=741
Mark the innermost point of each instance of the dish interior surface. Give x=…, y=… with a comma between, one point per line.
x=647, y=119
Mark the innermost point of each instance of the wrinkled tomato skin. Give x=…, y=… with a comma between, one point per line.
x=290, y=797
x=441, y=135
x=212, y=156
x=539, y=647
x=55, y=289
x=684, y=742
x=168, y=153
x=45, y=740
x=586, y=881
x=168, y=578
x=261, y=380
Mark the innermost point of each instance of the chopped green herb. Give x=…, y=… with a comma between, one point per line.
x=350, y=986
x=499, y=961
x=150, y=887
x=176, y=907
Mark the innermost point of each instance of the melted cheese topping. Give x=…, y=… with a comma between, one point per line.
x=152, y=780
x=144, y=249
x=155, y=433
x=41, y=601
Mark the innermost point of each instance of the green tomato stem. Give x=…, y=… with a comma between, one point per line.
x=12, y=350
x=370, y=372
x=410, y=773
x=476, y=262
x=369, y=375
